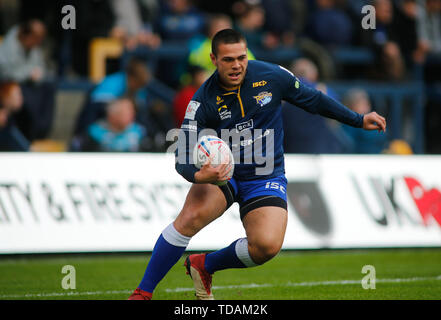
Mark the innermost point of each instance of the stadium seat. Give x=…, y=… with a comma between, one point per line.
x=100, y=50
x=399, y=147
x=48, y=146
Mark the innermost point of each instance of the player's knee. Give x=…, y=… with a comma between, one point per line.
x=190, y=221
x=264, y=251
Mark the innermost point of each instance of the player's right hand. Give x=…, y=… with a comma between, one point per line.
x=373, y=121
x=210, y=174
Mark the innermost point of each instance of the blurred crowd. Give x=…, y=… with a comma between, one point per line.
x=120, y=113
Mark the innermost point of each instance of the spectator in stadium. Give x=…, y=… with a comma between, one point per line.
x=184, y=95
x=383, y=40
x=429, y=44
x=129, y=26
x=405, y=24
x=131, y=82
x=250, y=21
x=329, y=25
x=371, y=142
x=178, y=22
x=21, y=55
x=305, y=132
x=429, y=28
x=21, y=60
x=118, y=132
x=307, y=71
x=284, y=19
x=429, y=37
x=11, y=101
x=200, y=45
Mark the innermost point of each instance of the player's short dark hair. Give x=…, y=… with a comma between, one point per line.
x=226, y=36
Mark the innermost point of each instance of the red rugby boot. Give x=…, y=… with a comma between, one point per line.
x=201, y=278
x=139, y=294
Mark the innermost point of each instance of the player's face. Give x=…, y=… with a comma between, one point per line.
x=231, y=63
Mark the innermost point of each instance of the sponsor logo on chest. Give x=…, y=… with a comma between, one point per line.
x=244, y=125
x=224, y=113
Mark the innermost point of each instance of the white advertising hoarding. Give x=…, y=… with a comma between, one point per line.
x=121, y=202
x=367, y=201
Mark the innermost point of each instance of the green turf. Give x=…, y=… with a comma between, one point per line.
x=291, y=275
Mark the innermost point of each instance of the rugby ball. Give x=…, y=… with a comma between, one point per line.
x=215, y=149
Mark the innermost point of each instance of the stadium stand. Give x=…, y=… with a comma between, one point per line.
x=410, y=103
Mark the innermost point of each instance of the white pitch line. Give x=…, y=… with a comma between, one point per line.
x=243, y=286
x=63, y=294
x=309, y=284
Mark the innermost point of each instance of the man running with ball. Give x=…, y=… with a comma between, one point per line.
x=240, y=95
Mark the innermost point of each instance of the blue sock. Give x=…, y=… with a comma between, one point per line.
x=167, y=251
x=234, y=256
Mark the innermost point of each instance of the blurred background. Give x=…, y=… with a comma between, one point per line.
x=122, y=76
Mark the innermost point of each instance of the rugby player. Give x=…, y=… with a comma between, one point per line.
x=240, y=95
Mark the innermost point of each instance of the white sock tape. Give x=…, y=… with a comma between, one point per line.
x=172, y=236
x=243, y=254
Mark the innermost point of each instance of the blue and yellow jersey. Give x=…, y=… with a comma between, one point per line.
x=249, y=118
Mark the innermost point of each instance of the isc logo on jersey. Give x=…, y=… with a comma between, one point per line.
x=215, y=149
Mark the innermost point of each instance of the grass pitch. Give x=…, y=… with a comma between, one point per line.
x=329, y=274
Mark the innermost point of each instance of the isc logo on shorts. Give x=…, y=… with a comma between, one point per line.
x=275, y=185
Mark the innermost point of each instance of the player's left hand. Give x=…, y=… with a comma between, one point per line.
x=373, y=121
